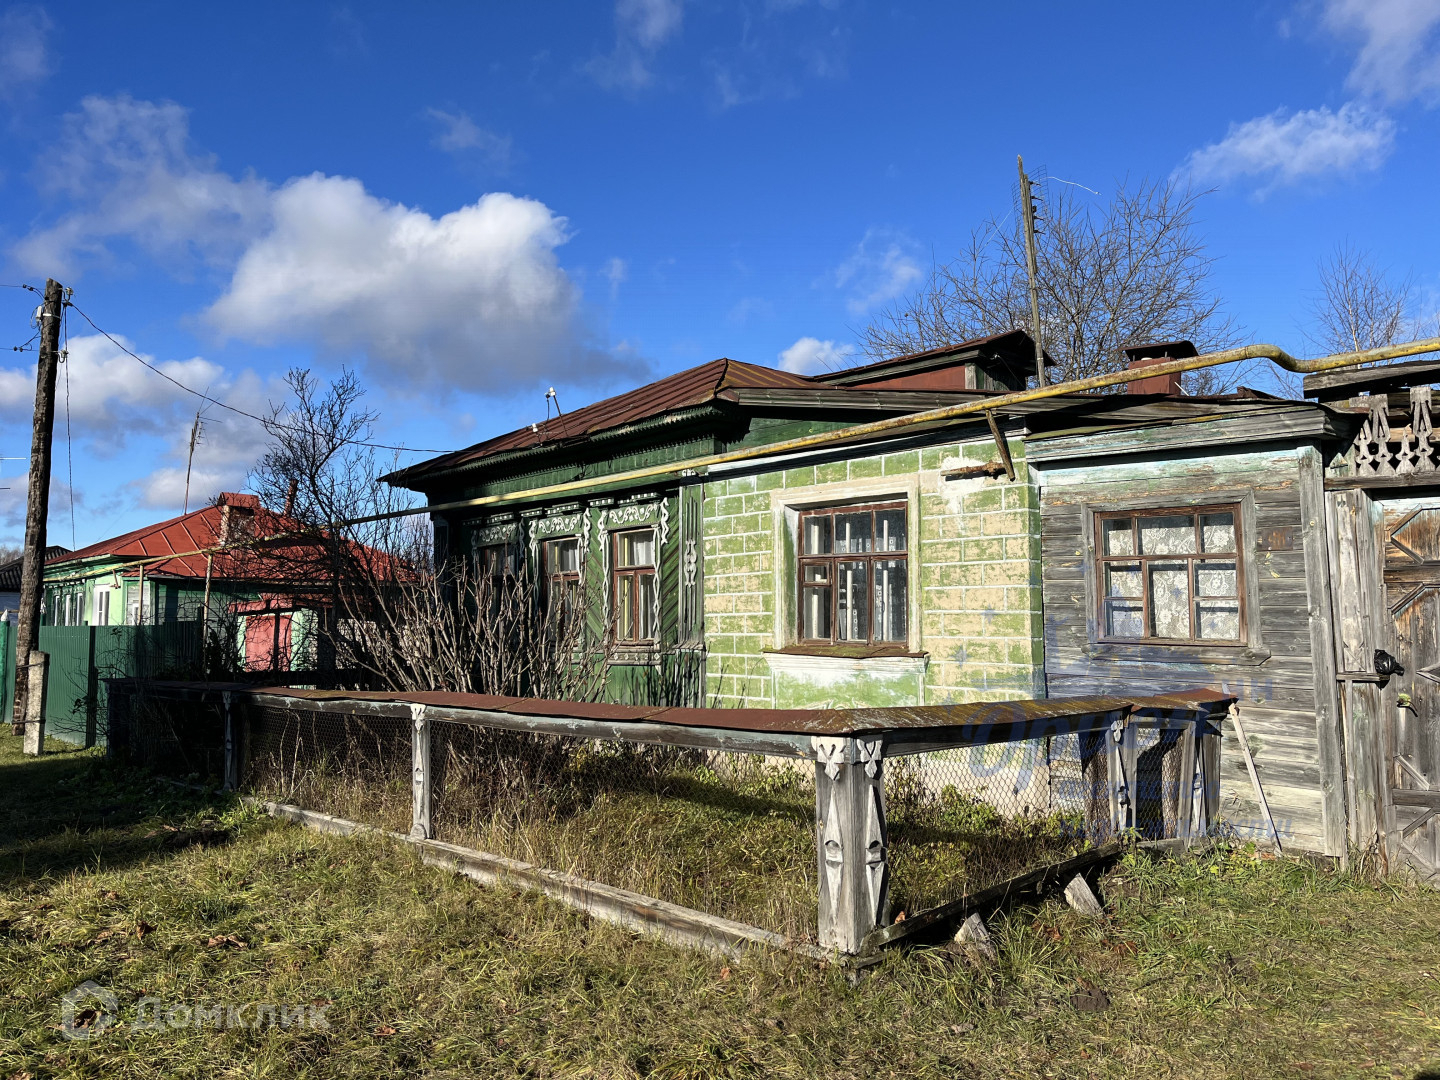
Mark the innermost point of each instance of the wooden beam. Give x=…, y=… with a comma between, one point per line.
x=1340, y=384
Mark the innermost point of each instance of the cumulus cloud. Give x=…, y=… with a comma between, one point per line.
x=24, y=49
x=1398, y=58
x=880, y=269
x=1280, y=148
x=112, y=401
x=809, y=355
x=456, y=133
x=641, y=27
x=130, y=173
x=472, y=297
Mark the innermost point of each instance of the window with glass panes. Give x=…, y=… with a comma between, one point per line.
x=562, y=568
x=853, y=584
x=634, y=586
x=1170, y=575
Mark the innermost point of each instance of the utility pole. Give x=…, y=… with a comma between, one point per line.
x=1032, y=269
x=32, y=574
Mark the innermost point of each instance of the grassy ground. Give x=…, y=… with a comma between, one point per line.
x=1219, y=966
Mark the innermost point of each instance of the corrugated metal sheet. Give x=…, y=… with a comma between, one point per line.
x=695, y=386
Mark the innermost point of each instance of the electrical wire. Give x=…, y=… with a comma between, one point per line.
x=231, y=408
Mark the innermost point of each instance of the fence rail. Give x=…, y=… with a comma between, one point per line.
x=819, y=826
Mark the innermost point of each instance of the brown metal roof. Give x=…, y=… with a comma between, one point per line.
x=1010, y=340
x=684, y=389
x=787, y=721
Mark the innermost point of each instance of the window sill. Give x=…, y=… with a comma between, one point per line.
x=1161, y=653
x=634, y=655
x=848, y=652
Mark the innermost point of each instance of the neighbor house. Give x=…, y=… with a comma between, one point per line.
x=209, y=568
x=885, y=536
x=10, y=573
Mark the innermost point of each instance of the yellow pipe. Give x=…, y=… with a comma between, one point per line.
x=1273, y=353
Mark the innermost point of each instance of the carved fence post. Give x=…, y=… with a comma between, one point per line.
x=420, y=773
x=850, y=840
x=232, y=764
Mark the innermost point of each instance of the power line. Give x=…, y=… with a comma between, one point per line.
x=231, y=408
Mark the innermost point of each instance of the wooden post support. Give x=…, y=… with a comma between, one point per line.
x=37, y=497
x=1121, y=762
x=1254, y=775
x=850, y=840
x=420, y=825
x=232, y=763
x=1186, y=794
x=36, y=679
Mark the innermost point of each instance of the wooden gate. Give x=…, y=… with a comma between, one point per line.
x=1411, y=748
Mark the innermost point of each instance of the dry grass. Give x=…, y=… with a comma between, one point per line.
x=1221, y=966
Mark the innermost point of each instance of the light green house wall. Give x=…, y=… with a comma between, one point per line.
x=974, y=575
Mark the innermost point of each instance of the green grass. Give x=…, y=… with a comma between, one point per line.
x=1218, y=966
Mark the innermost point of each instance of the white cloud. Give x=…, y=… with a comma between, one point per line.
x=458, y=134
x=879, y=270
x=24, y=51
x=112, y=400
x=129, y=171
x=1398, y=58
x=809, y=355
x=641, y=27
x=1281, y=149
x=474, y=297
x=615, y=271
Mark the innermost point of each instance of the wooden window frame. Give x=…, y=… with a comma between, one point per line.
x=566, y=579
x=802, y=561
x=617, y=572
x=1236, y=512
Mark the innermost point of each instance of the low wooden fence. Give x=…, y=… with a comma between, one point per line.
x=827, y=829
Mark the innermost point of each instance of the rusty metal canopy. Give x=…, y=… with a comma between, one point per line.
x=832, y=722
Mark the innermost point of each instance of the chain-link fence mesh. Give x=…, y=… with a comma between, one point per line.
x=172, y=736
x=732, y=834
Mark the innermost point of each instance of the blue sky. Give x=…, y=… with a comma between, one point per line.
x=472, y=203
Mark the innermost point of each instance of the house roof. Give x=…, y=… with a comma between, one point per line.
x=685, y=389
x=10, y=571
x=1015, y=347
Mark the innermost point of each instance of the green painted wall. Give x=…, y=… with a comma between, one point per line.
x=974, y=576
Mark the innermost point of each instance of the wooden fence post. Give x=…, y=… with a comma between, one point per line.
x=851, y=840
x=232, y=764
x=420, y=827
x=37, y=682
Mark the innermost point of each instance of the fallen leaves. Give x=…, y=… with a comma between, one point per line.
x=385, y=1031
x=222, y=940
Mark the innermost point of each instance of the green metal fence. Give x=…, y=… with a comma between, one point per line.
x=83, y=657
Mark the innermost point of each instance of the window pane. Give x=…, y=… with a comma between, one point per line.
x=1117, y=537
x=1219, y=620
x=1124, y=618
x=852, y=533
x=1170, y=599
x=890, y=530
x=1169, y=535
x=815, y=614
x=1215, y=577
x=1122, y=579
x=563, y=556
x=645, y=618
x=852, y=614
x=817, y=535
x=1217, y=532
x=890, y=600
x=637, y=548
x=815, y=572
x=625, y=608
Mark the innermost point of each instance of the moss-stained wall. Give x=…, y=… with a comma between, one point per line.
x=974, y=575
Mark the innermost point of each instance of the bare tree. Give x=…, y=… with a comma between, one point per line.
x=1132, y=273
x=1359, y=306
x=396, y=615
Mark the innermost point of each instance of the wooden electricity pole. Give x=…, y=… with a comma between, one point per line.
x=32, y=574
x=1032, y=269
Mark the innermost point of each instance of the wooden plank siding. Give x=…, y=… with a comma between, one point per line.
x=1275, y=676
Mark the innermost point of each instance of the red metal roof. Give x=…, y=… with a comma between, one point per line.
x=695, y=386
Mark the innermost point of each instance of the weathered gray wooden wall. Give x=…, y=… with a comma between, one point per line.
x=1283, y=676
